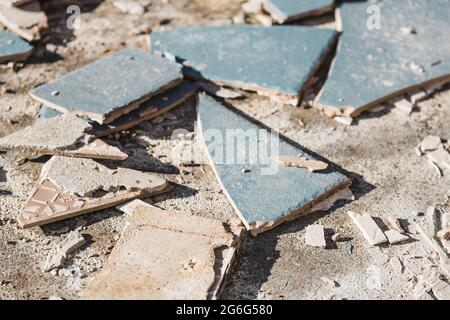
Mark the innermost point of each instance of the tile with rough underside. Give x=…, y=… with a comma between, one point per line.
x=64, y=135
x=12, y=48
x=278, y=62
x=27, y=24
x=167, y=255
x=410, y=51
x=110, y=87
x=263, y=193
x=148, y=110
x=69, y=187
x=283, y=11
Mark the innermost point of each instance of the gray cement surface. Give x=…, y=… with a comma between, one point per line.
x=377, y=153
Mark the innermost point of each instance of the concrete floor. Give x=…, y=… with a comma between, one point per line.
x=377, y=153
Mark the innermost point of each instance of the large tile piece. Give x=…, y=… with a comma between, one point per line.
x=409, y=51
x=167, y=255
x=68, y=187
x=64, y=135
x=289, y=10
x=27, y=24
x=13, y=48
x=148, y=110
x=111, y=86
x=277, y=61
x=263, y=193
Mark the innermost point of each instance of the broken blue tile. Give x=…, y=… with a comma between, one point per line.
x=289, y=10
x=148, y=110
x=278, y=61
x=12, y=48
x=388, y=49
x=263, y=193
x=111, y=86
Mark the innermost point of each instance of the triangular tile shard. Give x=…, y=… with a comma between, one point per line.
x=244, y=158
x=68, y=187
x=396, y=49
x=148, y=110
x=27, y=24
x=13, y=48
x=278, y=62
x=167, y=255
x=64, y=135
x=110, y=87
x=283, y=11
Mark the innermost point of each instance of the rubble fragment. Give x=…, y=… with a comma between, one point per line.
x=59, y=254
x=252, y=6
x=201, y=255
x=68, y=187
x=298, y=162
x=218, y=91
x=395, y=224
x=344, y=120
x=26, y=24
x=284, y=77
x=63, y=135
x=441, y=290
x=131, y=7
x=395, y=237
x=363, y=77
x=283, y=11
x=444, y=234
x=13, y=48
x=330, y=282
x=369, y=228
x=440, y=157
x=336, y=237
x=251, y=193
x=315, y=236
x=111, y=86
x=430, y=143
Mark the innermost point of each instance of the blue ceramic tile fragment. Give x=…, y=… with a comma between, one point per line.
x=274, y=61
x=13, y=48
x=289, y=10
x=149, y=109
x=379, y=59
x=263, y=193
x=112, y=86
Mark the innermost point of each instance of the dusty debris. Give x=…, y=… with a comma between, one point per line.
x=298, y=162
x=129, y=207
x=64, y=135
x=252, y=6
x=441, y=290
x=344, y=120
x=220, y=92
x=369, y=228
x=24, y=23
x=59, y=254
x=263, y=19
x=430, y=143
x=395, y=237
x=131, y=7
x=396, y=264
x=111, y=86
x=330, y=282
x=201, y=255
x=444, y=234
x=395, y=224
x=441, y=157
x=403, y=106
x=315, y=236
x=336, y=237
x=69, y=187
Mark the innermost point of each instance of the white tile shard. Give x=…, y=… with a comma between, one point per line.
x=370, y=230
x=315, y=236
